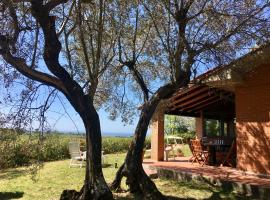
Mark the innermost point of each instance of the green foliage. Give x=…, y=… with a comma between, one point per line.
x=27, y=149
x=188, y=136
x=180, y=126
x=212, y=127
x=175, y=125
x=119, y=144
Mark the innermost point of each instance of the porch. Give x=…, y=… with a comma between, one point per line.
x=248, y=184
x=214, y=113
x=236, y=97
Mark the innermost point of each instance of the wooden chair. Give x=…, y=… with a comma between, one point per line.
x=199, y=154
x=230, y=158
x=191, y=149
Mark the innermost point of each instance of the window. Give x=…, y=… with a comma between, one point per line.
x=212, y=127
x=226, y=129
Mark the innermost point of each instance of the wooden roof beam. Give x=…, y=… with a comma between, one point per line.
x=193, y=101
x=204, y=105
x=215, y=97
x=184, y=91
x=190, y=96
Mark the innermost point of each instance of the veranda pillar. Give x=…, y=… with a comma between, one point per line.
x=157, y=137
x=200, y=126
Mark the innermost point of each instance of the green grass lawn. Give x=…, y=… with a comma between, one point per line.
x=54, y=177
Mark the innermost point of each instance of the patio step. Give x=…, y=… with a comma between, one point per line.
x=251, y=190
x=151, y=172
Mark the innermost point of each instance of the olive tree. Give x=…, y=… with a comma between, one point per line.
x=67, y=46
x=185, y=38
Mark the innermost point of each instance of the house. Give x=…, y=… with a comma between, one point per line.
x=237, y=97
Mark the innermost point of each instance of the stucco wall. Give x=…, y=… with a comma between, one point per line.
x=253, y=123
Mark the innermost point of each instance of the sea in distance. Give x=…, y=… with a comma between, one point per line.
x=104, y=134
x=108, y=134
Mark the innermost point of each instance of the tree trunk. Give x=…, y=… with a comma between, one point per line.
x=95, y=186
x=137, y=180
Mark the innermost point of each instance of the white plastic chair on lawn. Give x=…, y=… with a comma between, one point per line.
x=77, y=157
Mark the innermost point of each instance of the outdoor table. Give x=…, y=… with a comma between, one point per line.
x=211, y=146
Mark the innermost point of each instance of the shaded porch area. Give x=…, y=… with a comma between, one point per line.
x=214, y=113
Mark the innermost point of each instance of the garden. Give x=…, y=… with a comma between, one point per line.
x=30, y=170
x=84, y=58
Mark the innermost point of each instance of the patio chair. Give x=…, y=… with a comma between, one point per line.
x=77, y=157
x=199, y=154
x=230, y=158
x=191, y=149
x=167, y=150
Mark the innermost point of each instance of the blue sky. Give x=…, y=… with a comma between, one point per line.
x=62, y=117
x=66, y=124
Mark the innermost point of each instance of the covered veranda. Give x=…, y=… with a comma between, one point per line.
x=235, y=97
x=209, y=106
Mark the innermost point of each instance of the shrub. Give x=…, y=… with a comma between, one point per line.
x=26, y=149
x=115, y=144
x=119, y=144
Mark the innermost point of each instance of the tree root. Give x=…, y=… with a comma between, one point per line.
x=139, y=183
x=86, y=195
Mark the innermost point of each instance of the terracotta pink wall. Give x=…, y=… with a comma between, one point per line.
x=253, y=123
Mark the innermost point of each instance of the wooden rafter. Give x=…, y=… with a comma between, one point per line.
x=203, y=106
x=194, y=100
x=199, y=103
x=188, y=95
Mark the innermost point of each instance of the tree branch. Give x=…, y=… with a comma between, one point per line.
x=64, y=23
x=53, y=46
x=53, y=3
x=21, y=66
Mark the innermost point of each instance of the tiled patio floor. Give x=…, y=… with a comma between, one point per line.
x=181, y=165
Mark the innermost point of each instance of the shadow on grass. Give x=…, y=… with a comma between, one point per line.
x=10, y=195
x=224, y=191
x=12, y=173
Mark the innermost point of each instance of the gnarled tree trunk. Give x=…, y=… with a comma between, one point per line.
x=137, y=180
x=95, y=186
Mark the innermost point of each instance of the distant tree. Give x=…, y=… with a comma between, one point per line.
x=175, y=125
x=189, y=36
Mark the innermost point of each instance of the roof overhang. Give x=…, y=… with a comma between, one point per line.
x=197, y=98
x=229, y=76
x=213, y=91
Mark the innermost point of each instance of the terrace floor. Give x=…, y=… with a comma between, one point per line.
x=182, y=170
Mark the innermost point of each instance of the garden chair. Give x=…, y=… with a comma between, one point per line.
x=230, y=158
x=77, y=157
x=199, y=154
x=192, y=151
x=167, y=150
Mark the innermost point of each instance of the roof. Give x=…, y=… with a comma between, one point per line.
x=262, y=52
x=193, y=100
x=213, y=91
